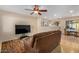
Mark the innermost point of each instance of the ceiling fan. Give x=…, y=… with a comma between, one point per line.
x=36, y=10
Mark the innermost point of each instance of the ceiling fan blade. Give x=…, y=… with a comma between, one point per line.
x=32, y=13
x=28, y=9
x=43, y=10
x=39, y=14
x=36, y=6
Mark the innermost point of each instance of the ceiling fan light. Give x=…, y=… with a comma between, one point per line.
x=35, y=12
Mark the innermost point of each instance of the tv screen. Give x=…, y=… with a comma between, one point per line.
x=21, y=29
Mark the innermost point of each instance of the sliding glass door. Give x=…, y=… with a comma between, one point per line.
x=72, y=27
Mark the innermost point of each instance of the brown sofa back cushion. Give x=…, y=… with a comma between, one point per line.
x=42, y=34
x=48, y=42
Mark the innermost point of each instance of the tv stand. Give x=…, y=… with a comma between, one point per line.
x=23, y=36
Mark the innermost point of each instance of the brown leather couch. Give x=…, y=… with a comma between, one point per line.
x=39, y=43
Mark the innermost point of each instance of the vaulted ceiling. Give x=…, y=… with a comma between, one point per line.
x=54, y=11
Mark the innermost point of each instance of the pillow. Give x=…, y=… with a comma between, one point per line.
x=28, y=41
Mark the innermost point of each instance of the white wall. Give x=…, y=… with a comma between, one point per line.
x=0, y=24
x=8, y=21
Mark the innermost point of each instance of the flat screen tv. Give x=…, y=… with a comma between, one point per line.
x=22, y=29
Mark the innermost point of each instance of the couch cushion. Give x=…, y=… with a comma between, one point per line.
x=42, y=34
x=28, y=44
x=28, y=40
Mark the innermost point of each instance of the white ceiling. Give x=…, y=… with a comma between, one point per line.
x=54, y=11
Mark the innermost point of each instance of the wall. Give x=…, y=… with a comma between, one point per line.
x=8, y=21
x=0, y=23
